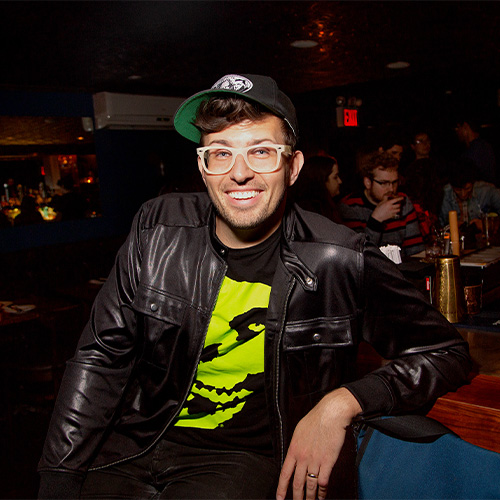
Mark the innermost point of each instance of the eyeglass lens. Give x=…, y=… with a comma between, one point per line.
x=260, y=159
x=386, y=183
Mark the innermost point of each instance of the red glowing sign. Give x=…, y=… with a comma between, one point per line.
x=350, y=117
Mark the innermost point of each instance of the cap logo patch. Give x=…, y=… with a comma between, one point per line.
x=237, y=83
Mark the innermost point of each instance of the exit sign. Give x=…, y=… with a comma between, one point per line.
x=350, y=117
x=347, y=117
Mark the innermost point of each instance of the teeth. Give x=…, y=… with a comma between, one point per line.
x=242, y=195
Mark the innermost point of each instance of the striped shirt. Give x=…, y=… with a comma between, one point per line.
x=404, y=231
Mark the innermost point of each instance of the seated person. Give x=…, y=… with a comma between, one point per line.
x=29, y=213
x=384, y=215
x=470, y=198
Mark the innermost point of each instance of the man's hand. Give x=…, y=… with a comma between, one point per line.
x=387, y=209
x=315, y=446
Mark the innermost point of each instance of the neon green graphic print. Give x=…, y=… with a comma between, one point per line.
x=232, y=358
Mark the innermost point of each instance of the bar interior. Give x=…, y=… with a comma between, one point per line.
x=88, y=91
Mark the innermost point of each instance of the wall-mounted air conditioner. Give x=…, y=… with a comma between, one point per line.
x=128, y=111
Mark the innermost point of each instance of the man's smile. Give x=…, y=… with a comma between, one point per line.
x=243, y=195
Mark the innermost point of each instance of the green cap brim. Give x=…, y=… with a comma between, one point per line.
x=186, y=114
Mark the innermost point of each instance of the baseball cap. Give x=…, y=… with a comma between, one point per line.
x=254, y=88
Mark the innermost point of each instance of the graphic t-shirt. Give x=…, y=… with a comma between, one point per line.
x=226, y=407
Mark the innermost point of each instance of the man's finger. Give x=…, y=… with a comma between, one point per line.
x=311, y=486
x=299, y=482
x=284, y=480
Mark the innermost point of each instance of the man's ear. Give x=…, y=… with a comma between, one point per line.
x=367, y=182
x=295, y=167
x=202, y=171
x=380, y=149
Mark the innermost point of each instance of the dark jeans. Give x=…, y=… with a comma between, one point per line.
x=179, y=472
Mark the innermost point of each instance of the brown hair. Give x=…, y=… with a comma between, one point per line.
x=217, y=113
x=384, y=161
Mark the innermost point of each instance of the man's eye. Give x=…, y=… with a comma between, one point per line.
x=221, y=153
x=259, y=152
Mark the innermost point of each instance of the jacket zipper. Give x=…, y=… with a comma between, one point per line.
x=277, y=364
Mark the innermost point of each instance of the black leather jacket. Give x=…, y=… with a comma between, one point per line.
x=138, y=354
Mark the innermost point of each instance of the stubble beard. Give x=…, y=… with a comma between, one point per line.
x=246, y=220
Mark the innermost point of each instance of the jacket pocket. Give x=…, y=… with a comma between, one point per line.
x=319, y=354
x=162, y=317
x=160, y=305
x=318, y=333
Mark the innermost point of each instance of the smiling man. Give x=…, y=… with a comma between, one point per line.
x=220, y=356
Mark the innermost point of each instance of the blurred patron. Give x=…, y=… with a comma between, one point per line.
x=472, y=199
x=318, y=185
x=421, y=145
x=70, y=204
x=423, y=182
x=385, y=215
x=479, y=151
x=29, y=212
x=392, y=144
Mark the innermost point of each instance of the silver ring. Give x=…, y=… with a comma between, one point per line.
x=314, y=476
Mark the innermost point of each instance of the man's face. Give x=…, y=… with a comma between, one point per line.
x=460, y=129
x=396, y=151
x=250, y=205
x=333, y=182
x=422, y=146
x=383, y=186
x=464, y=193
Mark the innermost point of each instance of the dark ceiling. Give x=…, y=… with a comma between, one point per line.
x=178, y=48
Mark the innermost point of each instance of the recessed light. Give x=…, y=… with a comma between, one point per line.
x=135, y=77
x=398, y=65
x=304, y=44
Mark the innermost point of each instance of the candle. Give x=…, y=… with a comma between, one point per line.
x=454, y=234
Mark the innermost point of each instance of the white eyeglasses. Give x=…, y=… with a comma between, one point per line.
x=261, y=158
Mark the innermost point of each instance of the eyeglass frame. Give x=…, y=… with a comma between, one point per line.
x=280, y=148
x=386, y=183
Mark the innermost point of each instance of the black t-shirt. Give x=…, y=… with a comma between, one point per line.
x=226, y=408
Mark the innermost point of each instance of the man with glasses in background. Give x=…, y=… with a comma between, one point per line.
x=386, y=216
x=219, y=360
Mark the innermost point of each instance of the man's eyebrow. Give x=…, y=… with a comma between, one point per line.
x=224, y=142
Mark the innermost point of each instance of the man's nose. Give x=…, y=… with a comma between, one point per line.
x=241, y=171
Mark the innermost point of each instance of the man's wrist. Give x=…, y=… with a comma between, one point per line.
x=375, y=224
x=344, y=404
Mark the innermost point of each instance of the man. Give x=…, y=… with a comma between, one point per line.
x=221, y=348
x=479, y=151
x=386, y=216
x=471, y=199
x=421, y=145
x=392, y=146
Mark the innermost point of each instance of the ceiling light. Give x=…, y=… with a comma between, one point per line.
x=304, y=44
x=398, y=65
x=135, y=77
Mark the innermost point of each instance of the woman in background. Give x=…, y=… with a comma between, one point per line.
x=317, y=186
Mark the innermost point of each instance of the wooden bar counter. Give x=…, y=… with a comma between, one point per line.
x=473, y=411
